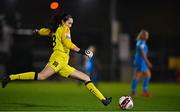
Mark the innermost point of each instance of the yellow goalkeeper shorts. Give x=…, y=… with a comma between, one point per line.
x=59, y=63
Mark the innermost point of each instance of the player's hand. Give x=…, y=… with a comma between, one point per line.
x=35, y=31
x=150, y=65
x=86, y=52
x=89, y=53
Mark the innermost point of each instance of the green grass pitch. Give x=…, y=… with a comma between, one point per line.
x=71, y=96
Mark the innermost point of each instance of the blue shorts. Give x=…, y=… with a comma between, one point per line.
x=141, y=67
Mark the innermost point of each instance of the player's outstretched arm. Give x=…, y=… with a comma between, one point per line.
x=83, y=52
x=43, y=32
x=69, y=44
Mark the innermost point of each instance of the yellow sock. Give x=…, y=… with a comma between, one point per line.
x=94, y=90
x=23, y=76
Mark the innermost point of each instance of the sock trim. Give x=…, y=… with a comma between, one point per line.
x=35, y=76
x=87, y=82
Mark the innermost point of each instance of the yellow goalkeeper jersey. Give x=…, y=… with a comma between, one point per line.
x=61, y=38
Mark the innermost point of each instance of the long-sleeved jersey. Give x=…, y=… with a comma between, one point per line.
x=61, y=38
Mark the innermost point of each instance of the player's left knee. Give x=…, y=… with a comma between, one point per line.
x=148, y=76
x=41, y=77
x=86, y=79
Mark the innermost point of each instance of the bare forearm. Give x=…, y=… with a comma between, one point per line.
x=146, y=60
x=83, y=51
x=76, y=49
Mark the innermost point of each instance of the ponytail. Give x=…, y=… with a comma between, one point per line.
x=140, y=34
x=54, y=22
x=57, y=19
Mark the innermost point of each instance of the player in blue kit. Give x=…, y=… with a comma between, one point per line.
x=141, y=64
x=90, y=66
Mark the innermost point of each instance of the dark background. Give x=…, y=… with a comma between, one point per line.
x=92, y=26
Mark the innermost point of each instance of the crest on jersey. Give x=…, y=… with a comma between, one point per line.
x=55, y=63
x=67, y=35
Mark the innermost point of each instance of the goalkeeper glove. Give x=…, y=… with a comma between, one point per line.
x=86, y=52
x=35, y=31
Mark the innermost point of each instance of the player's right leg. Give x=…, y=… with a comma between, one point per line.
x=147, y=76
x=90, y=86
x=44, y=74
x=137, y=76
x=20, y=76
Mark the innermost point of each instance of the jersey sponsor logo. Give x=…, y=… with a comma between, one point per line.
x=55, y=63
x=67, y=35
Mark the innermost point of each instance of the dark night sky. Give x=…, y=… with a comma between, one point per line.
x=92, y=17
x=92, y=22
x=160, y=17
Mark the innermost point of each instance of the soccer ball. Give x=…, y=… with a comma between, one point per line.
x=126, y=102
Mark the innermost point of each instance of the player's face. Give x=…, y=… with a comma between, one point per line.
x=145, y=35
x=69, y=22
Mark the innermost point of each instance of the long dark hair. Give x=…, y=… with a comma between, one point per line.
x=56, y=20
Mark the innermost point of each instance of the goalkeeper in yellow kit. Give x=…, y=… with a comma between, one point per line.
x=58, y=62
